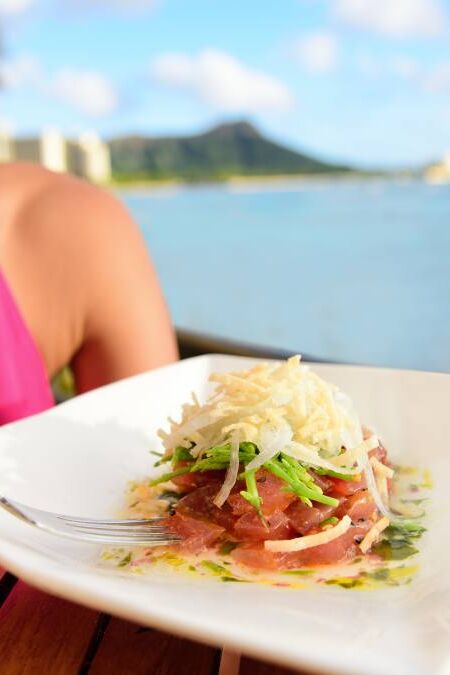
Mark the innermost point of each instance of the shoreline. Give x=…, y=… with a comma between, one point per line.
x=278, y=181
x=255, y=180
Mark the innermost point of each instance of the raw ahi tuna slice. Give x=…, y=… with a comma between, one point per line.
x=303, y=518
x=197, y=535
x=270, y=489
x=249, y=527
x=342, y=549
x=199, y=504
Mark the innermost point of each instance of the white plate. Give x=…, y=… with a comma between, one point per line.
x=78, y=458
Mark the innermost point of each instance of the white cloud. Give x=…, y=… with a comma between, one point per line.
x=127, y=4
x=118, y=5
x=12, y=7
x=376, y=68
x=318, y=52
x=368, y=65
x=6, y=127
x=431, y=79
x=22, y=71
x=405, y=67
x=397, y=18
x=434, y=79
x=438, y=79
x=221, y=81
x=88, y=91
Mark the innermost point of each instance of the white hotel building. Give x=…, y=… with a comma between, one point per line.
x=88, y=156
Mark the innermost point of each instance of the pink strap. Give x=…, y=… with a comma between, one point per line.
x=24, y=386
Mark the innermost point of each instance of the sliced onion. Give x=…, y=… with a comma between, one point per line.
x=309, y=540
x=381, y=469
x=183, y=432
x=271, y=441
x=231, y=474
x=354, y=453
x=373, y=534
x=354, y=436
x=312, y=457
x=373, y=489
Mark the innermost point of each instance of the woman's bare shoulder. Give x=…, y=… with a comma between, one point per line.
x=14, y=171
x=73, y=255
x=63, y=216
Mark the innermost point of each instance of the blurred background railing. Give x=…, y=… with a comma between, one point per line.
x=194, y=344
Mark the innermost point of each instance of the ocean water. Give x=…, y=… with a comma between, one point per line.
x=357, y=272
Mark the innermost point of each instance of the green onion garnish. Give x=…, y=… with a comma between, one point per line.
x=294, y=475
x=168, y=476
x=329, y=521
x=293, y=478
x=252, y=495
x=336, y=474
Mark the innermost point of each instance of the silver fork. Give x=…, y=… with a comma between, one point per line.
x=149, y=532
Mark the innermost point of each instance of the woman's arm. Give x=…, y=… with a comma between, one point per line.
x=82, y=276
x=127, y=328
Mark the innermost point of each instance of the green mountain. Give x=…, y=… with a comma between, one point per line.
x=226, y=150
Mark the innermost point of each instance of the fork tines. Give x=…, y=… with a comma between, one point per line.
x=135, y=531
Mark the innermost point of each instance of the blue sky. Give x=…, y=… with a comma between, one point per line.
x=365, y=81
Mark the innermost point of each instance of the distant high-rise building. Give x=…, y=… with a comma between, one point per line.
x=439, y=173
x=90, y=157
x=87, y=157
x=53, y=150
x=6, y=149
x=48, y=149
x=27, y=150
x=97, y=158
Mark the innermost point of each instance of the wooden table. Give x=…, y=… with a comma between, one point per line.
x=44, y=635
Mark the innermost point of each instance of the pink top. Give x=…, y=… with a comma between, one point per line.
x=24, y=386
